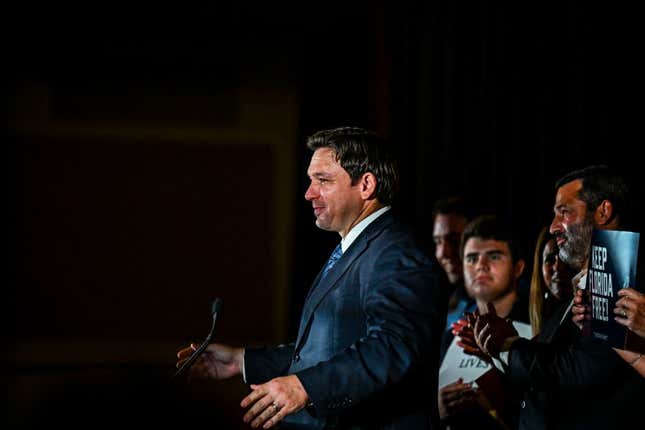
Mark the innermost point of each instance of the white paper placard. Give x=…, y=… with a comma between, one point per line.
x=457, y=364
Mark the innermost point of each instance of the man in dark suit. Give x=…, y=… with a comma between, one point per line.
x=369, y=331
x=572, y=381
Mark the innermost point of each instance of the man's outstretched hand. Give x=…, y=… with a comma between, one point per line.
x=494, y=334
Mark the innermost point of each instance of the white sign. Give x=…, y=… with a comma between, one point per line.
x=457, y=364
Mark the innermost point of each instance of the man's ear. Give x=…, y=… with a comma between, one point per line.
x=519, y=268
x=367, y=185
x=604, y=213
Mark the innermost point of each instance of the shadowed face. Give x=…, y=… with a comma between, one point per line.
x=557, y=275
x=446, y=234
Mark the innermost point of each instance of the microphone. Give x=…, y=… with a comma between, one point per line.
x=215, y=307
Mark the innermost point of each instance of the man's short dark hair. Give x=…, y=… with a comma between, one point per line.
x=452, y=205
x=492, y=227
x=360, y=151
x=599, y=183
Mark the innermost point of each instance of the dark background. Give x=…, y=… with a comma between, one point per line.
x=156, y=160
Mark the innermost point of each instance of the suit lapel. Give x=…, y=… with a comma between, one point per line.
x=321, y=287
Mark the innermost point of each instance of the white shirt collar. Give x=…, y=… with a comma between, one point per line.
x=578, y=281
x=358, y=228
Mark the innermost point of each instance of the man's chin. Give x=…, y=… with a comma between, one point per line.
x=482, y=291
x=321, y=224
x=573, y=262
x=453, y=278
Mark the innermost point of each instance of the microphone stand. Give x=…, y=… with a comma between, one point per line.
x=217, y=304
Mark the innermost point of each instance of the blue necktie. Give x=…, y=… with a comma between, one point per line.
x=335, y=256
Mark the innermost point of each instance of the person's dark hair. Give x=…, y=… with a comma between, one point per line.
x=491, y=227
x=599, y=183
x=452, y=205
x=359, y=151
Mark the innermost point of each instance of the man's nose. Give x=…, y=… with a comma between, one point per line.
x=556, y=226
x=482, y=263
x=311, y=192
x=440, y=250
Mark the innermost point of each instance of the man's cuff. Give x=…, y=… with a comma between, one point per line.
x=506, y=345
x=242, y=367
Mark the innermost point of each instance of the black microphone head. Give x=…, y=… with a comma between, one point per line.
x=217, y=304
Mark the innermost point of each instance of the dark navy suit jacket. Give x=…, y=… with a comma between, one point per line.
x=573, y=382
x=367, y=345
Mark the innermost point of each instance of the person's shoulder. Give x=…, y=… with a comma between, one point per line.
x=397, y=240
x=397, y=231
x=395, y=224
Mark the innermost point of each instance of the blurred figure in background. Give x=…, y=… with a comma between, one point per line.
x=449, y=217
x=551, y=281
x=493, y=265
